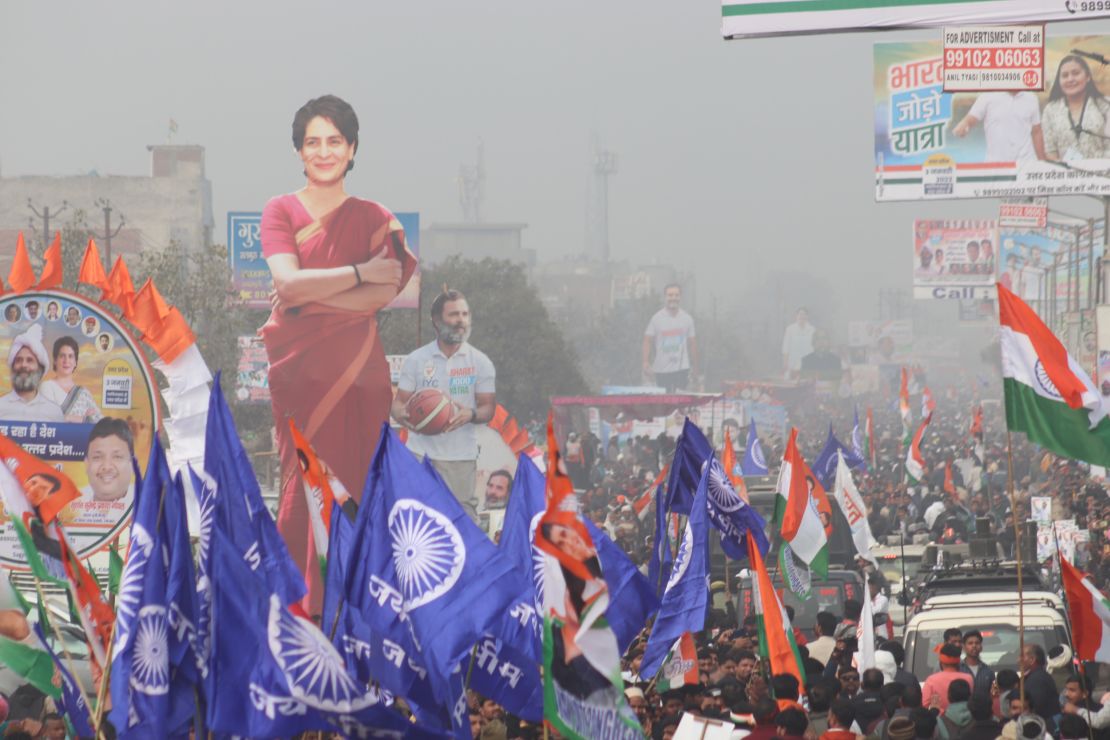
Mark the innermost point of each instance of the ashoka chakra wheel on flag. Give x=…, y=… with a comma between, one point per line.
x=311, y=665
x=150, y=661
x=428, y=551
x=720, y=489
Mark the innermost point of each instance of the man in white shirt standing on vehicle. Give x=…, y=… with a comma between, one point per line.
x=671, y=334
x=467, y=376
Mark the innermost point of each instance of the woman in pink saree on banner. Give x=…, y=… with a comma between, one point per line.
x=336, y=260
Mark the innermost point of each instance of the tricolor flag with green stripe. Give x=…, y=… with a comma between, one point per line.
x=681, y=666
x=797, y=515
x=1048, y=395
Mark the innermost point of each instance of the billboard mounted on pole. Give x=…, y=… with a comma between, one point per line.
x=744, y=18
x=932, y=144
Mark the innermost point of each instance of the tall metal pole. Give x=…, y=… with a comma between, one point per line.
x=106, y=237
x=45, y=216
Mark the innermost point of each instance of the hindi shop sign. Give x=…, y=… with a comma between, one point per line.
x=93, y=405
x=250, y=276
x=932, y=144
x=981, y=58
x=745, y=18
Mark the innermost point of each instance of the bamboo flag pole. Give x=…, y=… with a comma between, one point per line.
x=1017, y=557
x=61, y=642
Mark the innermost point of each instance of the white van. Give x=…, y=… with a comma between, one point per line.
x=995, y=614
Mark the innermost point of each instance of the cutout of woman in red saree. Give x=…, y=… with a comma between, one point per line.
x=336, y=261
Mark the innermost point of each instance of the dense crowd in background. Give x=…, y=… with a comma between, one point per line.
x=966, y=698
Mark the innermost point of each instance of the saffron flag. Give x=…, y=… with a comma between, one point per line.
x=92, y=271
x=754, y=463
x=51, y=275
x=121, y=290
x=1090, y=615
x=1047, y=394
x=855, y=511
x=776, y=636
x=681, y=666
x=801, y=500
x=949, y=483
x=684, y=599
x=22, y=275
x=915, y=461
x=730, y=466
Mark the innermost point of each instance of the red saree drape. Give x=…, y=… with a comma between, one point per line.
x=327, y=366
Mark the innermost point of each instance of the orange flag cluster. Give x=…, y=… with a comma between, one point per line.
x=21, y=276
x=162, y=326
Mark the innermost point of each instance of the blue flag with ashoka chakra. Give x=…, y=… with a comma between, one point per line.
x=754, y=463
x=424, y=575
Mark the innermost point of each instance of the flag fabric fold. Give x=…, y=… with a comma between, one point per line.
x=21, y=276
x=51, y=275
x=855, y=511
x=754, y=463
x=824, y=467
x=92, y=270
x=915, y=459
x=798, y=507
x=1090, y=615
x=684, y=599
x=1047, y=394
x=776, y=637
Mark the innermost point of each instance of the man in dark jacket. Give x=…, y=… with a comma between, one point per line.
x=1040, y=689
x=982, y=676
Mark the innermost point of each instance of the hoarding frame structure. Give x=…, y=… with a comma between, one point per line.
x=755, y=18
x=935, y=145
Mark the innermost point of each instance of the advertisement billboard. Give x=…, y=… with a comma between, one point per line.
x=954, y=260
x=77, y=393
x=249, y=274
x=251, y=277
x=933, y=144
x=981, y=58
x=743, y=18
x=252, y=382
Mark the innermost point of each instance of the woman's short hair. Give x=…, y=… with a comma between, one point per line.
x=332, y=108
x=66, y=342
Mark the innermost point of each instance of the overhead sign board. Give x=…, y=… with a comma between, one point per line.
x=744, y=18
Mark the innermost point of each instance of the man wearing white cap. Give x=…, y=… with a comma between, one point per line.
x=29, y=362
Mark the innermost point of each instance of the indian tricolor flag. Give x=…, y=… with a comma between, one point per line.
x=776, y=637
x=1048, y=395
x=728, y=462
x=1090, y=615
x=681, y=666
x=915, y=461
x=322, y=491
x=796, y=509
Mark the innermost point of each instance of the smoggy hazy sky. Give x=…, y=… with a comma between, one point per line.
x=735, y=157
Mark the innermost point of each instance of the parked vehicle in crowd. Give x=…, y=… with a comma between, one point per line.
x=829, y=594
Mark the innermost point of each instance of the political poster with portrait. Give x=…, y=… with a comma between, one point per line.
x=78, y=393
x=954, y=260
x=933, y=144
x=252, y=381
x=1033, y=261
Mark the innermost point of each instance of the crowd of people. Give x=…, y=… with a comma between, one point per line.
x=966, y=480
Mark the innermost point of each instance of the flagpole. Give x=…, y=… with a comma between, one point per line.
x=65, y=651
x=1017, y=557
x=107, y=669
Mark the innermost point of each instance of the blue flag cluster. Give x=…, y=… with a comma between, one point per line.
x=824, y=466
x=727, y=512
